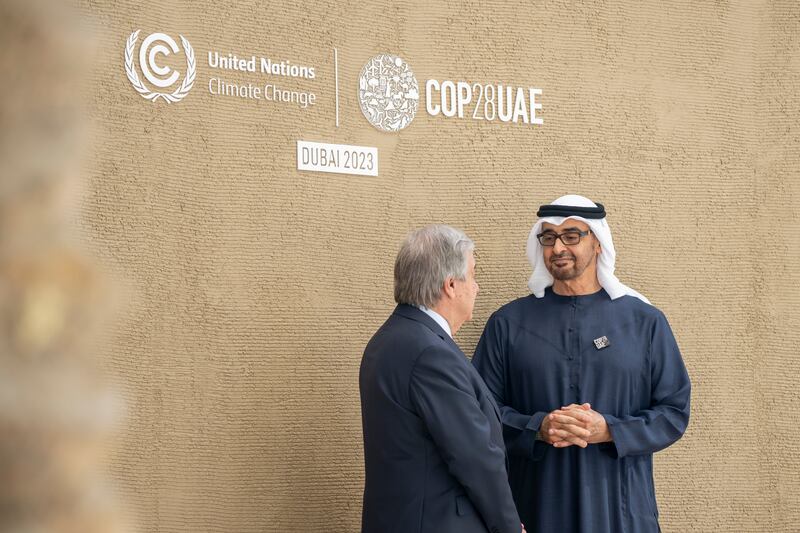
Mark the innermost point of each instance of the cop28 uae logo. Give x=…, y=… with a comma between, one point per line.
x=388, y=93
x=161, y=76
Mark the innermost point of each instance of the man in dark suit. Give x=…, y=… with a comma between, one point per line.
x=433, y=443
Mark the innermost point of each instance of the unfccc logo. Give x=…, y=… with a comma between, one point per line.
x=150, y=68
x=388, y=93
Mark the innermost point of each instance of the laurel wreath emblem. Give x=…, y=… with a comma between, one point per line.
x=174, y=96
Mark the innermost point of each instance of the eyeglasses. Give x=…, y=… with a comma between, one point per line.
x=569, y=238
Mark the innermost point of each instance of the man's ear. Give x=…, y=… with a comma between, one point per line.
x=449, y=287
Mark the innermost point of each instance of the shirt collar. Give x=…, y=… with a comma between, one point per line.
x=438, y=318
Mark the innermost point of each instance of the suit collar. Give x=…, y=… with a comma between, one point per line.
x=414, y=313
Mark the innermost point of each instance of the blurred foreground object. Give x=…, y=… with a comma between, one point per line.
x=54, y=410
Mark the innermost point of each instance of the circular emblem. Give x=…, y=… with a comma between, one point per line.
x=388, y=93
x=158, y=75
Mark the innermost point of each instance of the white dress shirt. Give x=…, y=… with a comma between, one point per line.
x=438, y=318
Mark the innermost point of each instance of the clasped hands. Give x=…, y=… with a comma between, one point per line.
x=574, y=424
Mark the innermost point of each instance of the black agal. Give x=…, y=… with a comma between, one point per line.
x=571, y=211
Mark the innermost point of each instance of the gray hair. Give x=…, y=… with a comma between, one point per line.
x=426, y=259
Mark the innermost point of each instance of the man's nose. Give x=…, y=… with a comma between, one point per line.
x=559, y=247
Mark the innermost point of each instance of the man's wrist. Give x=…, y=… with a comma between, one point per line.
x=607, y=436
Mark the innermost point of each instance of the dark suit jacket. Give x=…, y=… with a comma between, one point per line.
x=433, y=443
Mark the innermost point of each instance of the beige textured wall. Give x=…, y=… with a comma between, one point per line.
x=255, y=286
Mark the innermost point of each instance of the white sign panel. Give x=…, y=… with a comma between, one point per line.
x=337, y=158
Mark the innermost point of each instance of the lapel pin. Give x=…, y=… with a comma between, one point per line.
x=602, y=342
